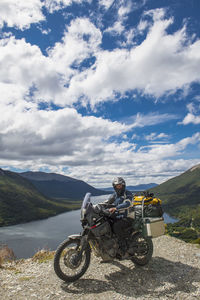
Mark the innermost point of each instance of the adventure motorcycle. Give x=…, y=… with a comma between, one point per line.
x=72, y=257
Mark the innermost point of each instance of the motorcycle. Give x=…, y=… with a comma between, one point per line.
x=72, y=257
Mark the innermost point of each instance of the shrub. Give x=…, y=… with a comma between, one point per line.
x=43, y=256
x=197, y=241
x=196, y=222
x=6, y=254
x=188, y=235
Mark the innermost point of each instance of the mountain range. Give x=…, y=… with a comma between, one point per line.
x=59, y=186
x=34, y=195
x=135, y=188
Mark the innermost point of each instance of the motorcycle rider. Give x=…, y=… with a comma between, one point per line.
x=122, y=200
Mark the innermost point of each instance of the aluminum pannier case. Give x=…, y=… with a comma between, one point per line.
x=153, y=227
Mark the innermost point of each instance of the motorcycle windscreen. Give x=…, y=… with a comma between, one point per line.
x=85, y=204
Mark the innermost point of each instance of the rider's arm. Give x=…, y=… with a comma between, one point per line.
x=125, y=204
x=110, y=200
x=127, y=201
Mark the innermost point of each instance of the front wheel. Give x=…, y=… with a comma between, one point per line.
x=143, y=250
x=67, y=265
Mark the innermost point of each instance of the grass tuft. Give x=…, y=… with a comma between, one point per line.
x=26, y=278
x=43, y=256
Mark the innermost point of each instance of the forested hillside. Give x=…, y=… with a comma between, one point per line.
x=181, y=198
x=21, y=202
x=181, y=190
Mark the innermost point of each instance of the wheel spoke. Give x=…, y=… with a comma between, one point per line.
x=67, y=261
x=143, y=250
x=68, y=264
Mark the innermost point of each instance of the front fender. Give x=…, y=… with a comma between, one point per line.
x=83, y=242
x=74, y=236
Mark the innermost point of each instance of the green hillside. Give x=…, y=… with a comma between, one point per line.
x=183, y=190
x=21, y=202
x=181, y=198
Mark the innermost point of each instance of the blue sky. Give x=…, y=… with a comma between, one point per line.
x=98, y=89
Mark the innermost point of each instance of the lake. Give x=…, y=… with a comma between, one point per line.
x=26, y=239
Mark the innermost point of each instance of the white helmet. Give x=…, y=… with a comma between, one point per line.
x=119, y=181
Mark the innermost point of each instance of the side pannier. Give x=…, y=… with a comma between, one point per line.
x=153, y=227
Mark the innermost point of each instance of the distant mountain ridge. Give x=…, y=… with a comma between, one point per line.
x=43, y=176
x=139, y=187
x=59, y=186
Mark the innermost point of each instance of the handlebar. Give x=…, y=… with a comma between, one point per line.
x=105, y=212
x=101, y=210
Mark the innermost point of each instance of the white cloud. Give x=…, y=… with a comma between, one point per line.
x=191, y=107
x=192, y=117
x=45, y=31
x=89, y=146
x=162, y=63
x=197, y=98
x=129, y=38
x=54, y=5
x=63, y=133
x=117, y=28
x=142, y=26
x=194, y=139
x=169, y=150
x=136, y=169
x=141, y=120
x=154, y=136
x=80, y=41
x=24, y=67
x=106, y=3
x=157, y=14
x=56, y=139
x=123, y=10
x=20, y=13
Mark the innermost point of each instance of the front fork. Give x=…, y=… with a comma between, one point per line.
x=82, y=246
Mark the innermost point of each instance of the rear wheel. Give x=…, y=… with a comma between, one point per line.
x=67, y=265
x=143, y=250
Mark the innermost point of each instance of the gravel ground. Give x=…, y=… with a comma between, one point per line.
x=173, y=273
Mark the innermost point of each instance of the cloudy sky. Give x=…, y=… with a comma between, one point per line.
x=95, y=89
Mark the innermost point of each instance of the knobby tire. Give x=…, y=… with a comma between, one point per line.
x=57, y=258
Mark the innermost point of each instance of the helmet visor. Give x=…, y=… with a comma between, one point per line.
x=119, y=186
